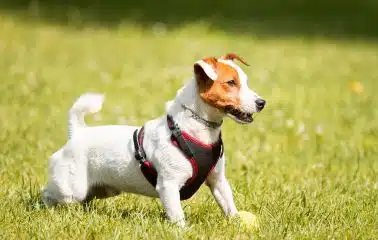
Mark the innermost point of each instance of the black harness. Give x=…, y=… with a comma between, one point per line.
x=203, y=157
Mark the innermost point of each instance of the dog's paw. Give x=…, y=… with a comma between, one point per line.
x=180, y=223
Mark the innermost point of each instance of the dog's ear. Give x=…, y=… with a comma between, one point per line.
x=232, y=56
x=205, y=69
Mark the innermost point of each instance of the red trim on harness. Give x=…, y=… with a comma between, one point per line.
x=187, y=136
x=199, y=161
x=152, y=170
x=149, y=172
x=192, y=162
x=146, y=163
x=140, y=137
x=196, y=141
x=195, y=170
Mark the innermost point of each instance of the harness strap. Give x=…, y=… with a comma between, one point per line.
x=203, y=159
x=177, y=135
x=140, y=155
x=146, y=167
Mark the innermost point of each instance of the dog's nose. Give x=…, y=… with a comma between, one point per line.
x=260, y=103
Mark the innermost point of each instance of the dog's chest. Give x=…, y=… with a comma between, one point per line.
x=202, y=158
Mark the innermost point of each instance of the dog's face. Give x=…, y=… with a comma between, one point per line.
x=223, y=85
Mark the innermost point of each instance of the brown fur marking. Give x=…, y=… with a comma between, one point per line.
x=232, y=56
x=218, y=93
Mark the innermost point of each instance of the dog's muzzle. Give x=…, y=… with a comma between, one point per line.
x=238, y=115
x=241, y=116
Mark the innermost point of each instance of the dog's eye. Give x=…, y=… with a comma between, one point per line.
x=231, y=83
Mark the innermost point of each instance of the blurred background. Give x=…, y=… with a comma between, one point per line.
x=307, y=166
x=263, y=18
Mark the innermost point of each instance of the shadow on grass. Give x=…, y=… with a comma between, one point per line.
x=101, y=207
x=32, y=201
x=274, y=18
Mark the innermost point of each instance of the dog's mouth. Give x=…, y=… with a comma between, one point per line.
x=239, y=116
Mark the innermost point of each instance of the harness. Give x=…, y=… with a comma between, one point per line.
x=203, y=157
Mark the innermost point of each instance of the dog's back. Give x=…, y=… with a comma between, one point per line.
x=77, y=169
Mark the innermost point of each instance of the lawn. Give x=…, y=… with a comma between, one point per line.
x=307, y=167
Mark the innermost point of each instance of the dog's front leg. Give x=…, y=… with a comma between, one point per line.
x=221, y=189
x=169, y=193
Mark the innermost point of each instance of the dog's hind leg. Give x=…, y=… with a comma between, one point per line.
x=57, y=189
x=67, y=179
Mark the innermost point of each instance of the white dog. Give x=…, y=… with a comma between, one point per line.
x=170, y=157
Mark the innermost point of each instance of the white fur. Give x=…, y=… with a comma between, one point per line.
x=247, y=96
x=104, y=156
x=87, y=103
x=209, y=70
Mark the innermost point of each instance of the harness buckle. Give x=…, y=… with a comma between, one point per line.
x=176, y=132
x=140, y=156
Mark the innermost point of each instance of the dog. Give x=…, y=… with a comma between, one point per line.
x=159, y=159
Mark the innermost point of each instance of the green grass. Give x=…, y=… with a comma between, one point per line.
x=307, y=166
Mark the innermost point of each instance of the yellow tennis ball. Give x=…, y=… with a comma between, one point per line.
x=249, y=220
x=356, y=86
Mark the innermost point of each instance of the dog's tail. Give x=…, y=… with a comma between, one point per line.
x=86, y=103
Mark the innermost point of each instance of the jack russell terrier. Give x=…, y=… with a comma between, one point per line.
x=169, y=157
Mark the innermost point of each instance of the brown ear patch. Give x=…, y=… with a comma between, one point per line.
x=210, y=60
x=200, y=73
x=220, y=92
x=232, y=56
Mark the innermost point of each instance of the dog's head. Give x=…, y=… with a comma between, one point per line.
x=223, y=85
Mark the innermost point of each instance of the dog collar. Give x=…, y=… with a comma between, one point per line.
x=200, y=119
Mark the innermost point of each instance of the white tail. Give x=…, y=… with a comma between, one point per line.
x=86, y=103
